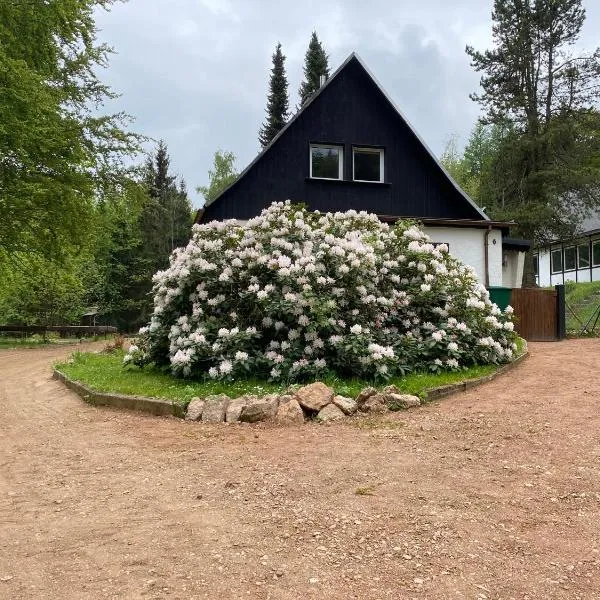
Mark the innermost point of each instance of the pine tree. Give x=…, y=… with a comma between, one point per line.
x=166, y=216
x=277, y=100
x=316, y=63
x=163, y=182
x=545, y=174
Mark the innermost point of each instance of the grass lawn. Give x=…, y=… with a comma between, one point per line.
x=105, y=373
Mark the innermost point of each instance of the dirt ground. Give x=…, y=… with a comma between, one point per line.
x=494, y=493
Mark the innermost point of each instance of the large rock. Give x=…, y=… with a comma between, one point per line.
x=259, y=409
x=285, y=398
x=215, y=408
x=390, y=389
x=377, y=403
x=234, y=410
x=364, y=396
x=330, y=413
x=289, y=412
x=194, y=409
x=397, y=401
x=315, y=396
x=346, y=405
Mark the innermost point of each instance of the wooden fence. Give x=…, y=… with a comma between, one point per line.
x=60, y=329
x=540, y=313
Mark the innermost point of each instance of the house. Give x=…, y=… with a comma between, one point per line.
x=577, y=259
x=349, y=147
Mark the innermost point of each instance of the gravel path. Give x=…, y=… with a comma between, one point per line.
x=494, y=493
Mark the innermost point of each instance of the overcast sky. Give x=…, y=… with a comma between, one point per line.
x=195, y=72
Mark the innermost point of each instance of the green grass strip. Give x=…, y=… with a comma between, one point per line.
x=105, y=373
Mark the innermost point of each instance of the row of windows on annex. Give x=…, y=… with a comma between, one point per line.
x=570, y=258
x=327, y=162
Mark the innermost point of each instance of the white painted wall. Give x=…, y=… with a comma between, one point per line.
x=466, y=244
x=512, y=268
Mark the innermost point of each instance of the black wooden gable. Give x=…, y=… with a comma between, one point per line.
x=350, y=110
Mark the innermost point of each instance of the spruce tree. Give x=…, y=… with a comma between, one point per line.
x=166, y=215
x=277, y=100
x=545, y=174
x=316, y=63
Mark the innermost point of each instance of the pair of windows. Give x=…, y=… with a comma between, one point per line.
x=327, y=162
x=575, y=257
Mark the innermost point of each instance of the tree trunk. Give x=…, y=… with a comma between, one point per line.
x=528, y=271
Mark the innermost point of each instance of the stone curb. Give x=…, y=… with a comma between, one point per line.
x=159, y=407
x=154, y=406
x=463, y=386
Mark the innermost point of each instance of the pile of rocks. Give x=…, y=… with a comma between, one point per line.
x=309, y=402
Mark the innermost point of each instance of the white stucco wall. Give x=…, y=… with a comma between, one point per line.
x=466, y=244
x=512, y=268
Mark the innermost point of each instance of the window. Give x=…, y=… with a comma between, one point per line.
x=596, y=253
x=326, y=162
x=536, y=264
x=583, y=256
x=570, y=258
x=556, y=259
x=368, y=164
x=436, y=244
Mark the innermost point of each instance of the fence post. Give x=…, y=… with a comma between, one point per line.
x=561, y=318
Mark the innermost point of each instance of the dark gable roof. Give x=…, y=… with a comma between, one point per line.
x=353, y=58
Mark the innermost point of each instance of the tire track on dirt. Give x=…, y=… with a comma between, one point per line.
x=469, y=494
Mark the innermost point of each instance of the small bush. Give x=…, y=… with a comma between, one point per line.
x=116, y=345
x=296, y=295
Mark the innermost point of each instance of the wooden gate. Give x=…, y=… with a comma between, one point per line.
x=540, y=313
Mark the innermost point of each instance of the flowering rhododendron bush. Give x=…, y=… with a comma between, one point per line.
x=296, y=295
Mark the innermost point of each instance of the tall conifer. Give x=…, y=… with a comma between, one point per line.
x=316, y=63
x=277, y=100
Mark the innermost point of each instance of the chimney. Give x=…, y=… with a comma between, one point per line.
x=322, y=80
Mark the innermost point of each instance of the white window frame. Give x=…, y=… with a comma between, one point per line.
x=594, y=244
x=381, y=152
x=339, y=147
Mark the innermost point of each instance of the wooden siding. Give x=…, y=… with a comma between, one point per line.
x=350, y=111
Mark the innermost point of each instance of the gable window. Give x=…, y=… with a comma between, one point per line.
x=326, y=162
x=583, y=256
x=570, y=258
x=368, y=164
x=596, y=253
x=556, y=260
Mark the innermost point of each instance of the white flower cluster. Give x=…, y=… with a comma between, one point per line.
x=294, y=294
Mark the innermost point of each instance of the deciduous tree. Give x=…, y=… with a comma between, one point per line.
x=56, y=149
x=221, y=176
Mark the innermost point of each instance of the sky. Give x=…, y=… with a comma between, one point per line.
x=195, y=72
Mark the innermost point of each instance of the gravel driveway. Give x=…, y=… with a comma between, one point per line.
x=494, y=493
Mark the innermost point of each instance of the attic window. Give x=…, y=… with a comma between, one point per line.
x=326, y=162
x=368, y=164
